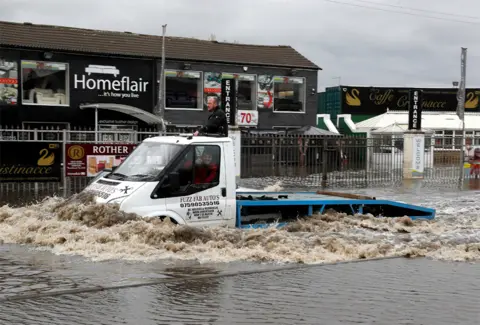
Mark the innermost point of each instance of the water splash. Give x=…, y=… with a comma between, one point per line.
x=78, y=226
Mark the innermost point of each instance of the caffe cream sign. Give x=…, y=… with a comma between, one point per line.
x=109, y=82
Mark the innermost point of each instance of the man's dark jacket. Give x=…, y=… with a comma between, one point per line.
x=216, y=123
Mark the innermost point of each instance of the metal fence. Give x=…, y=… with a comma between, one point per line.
x=296, y=161
x=350, y=161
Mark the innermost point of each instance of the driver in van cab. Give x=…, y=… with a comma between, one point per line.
x=205, y=169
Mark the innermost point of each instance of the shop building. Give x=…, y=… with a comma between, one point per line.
x=49, y=72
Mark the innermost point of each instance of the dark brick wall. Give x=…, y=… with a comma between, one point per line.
x=267, y=118
x=132, y=67
x=18, y=113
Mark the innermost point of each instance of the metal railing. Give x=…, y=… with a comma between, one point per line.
x=296, y=161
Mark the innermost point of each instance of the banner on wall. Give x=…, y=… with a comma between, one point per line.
x=376, y=100
x=212, y=87
x=265, y=92
x=247, y=117
x=418, y=161
x=91, y=159
x=415, y=109
x=30, y=161
x=229, y=99
x=8, y=82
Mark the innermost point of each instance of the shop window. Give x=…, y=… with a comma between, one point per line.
x=183, y=89
x=45, y=83
x=288, y=94
x=8, y=82
x=246, y=90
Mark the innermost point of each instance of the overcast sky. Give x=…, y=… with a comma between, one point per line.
x=362, y=46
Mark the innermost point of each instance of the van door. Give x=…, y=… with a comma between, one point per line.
x=201, y=197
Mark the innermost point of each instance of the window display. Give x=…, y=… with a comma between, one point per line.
x=45, y=83
x=8, y=82
x=246, y=89
x=183, y=89
x=289, y=94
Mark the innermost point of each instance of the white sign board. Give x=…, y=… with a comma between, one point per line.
x=235, y=135
x=418, y=161
x=247, y=118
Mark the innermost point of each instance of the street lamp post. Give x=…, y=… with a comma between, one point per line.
x=161, y=85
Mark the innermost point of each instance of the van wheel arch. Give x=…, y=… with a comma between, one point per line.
x=175, y=222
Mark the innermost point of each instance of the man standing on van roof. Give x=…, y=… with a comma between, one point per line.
x=217, y=121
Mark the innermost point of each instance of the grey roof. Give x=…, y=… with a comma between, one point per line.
x=28, y=35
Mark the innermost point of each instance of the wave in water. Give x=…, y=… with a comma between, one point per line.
x=78, y=226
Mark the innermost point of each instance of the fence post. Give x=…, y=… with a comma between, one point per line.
x=324, y=163
x=35, y=137
x=64, y=163
x=462, y=161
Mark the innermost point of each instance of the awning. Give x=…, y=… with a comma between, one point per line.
x=129, y=110
x=311, y=130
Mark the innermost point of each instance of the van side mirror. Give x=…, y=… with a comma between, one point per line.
x=174, y=181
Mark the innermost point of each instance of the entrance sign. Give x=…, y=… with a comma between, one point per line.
x=229, y=99
x=415, y=110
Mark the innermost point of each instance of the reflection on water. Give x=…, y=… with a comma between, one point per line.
x=472, y=184
x=129, y=250
x=380, y=292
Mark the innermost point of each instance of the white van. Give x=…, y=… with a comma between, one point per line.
x=189, y=179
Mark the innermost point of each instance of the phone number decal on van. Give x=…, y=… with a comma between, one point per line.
x=199, y=204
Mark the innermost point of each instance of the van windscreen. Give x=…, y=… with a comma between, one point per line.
x=146, y=161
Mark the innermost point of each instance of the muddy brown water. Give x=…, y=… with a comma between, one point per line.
x=84, y=264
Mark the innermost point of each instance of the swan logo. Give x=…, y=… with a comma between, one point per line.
x=472, y=100
x=352, y=98
x=46, y=159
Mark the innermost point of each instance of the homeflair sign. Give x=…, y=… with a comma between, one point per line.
x=88, y=160
x=116, y=81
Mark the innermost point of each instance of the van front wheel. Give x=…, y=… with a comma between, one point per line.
x=172, y=220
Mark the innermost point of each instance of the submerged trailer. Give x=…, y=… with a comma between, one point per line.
x=260, y=209
x=192, y=181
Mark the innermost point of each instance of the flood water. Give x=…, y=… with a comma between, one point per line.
x=80, y=263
